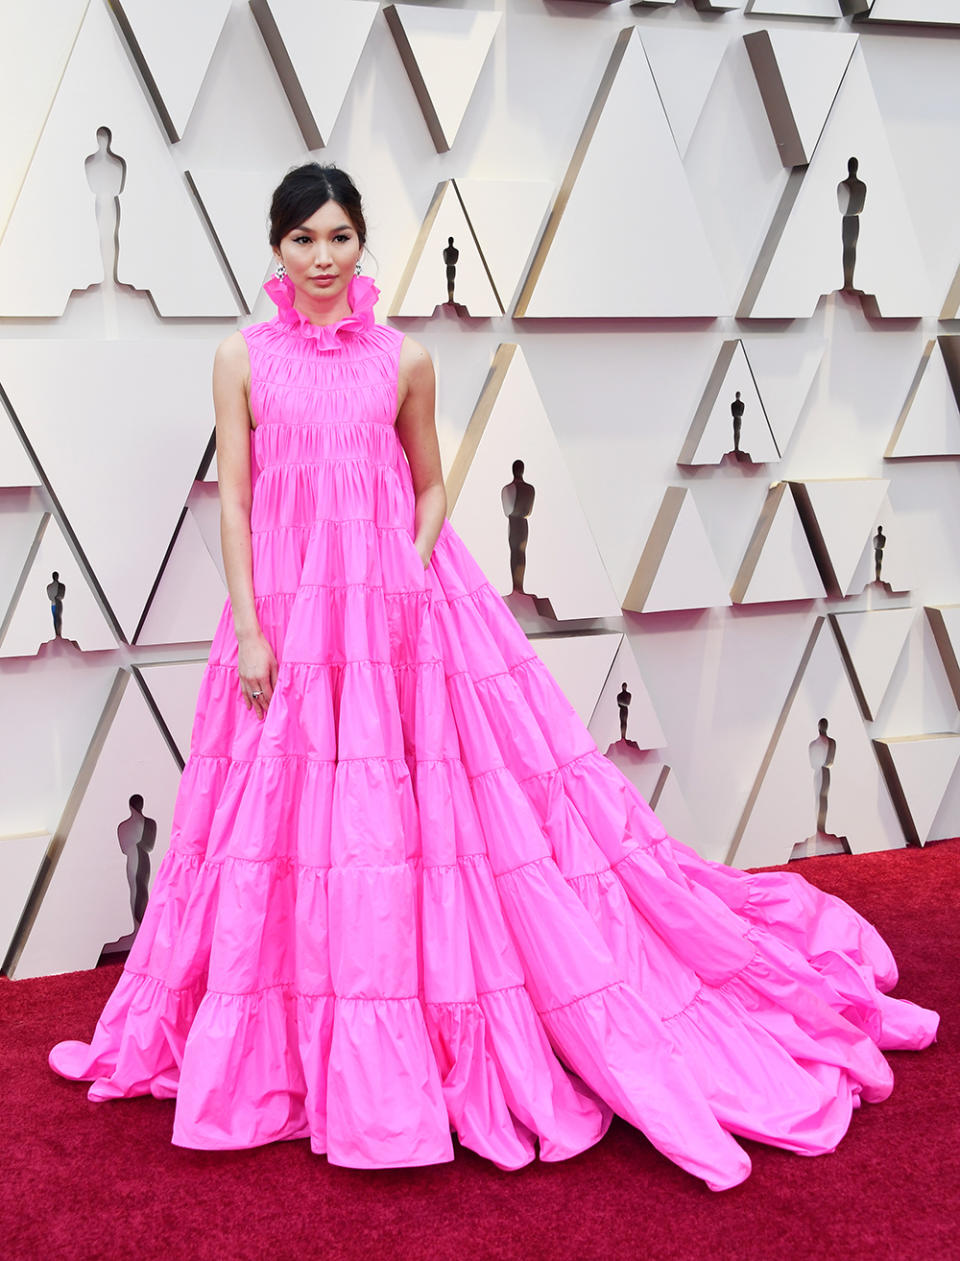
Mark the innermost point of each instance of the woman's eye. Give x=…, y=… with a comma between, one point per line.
x=301, y=240
x=341, y=236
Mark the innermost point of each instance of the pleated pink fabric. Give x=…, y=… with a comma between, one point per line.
x=417, y=899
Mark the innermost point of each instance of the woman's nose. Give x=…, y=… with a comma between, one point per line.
x=322, y=253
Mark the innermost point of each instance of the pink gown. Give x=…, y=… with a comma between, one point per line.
x=417, y=899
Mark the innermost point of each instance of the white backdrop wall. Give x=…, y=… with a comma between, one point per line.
x=112, y=448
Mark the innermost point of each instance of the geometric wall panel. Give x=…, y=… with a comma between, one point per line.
x=118, y=428
x=778, y=563
x=731, y=389
x=798, y=74
x=785, y=803
x=188, y=601
x=918, y=770
x=677, y=569
x=20, y=859
x=562, y=564
x=315, y=75
x=588, y=667
x=172, y=44
x=662, y=265
x=424, y=284
x=920, y=12
x=803, y=257
x=443, y=52
x=87, y=902
x=163, y=247
x=944, y=622
x=841, y=516
x=173, y=687
x=784, y=369
x=235, y=205
x=684, y=65
x=872, y=642
x=31, y=622
x=506, y=217
x=37, y=34
x=929, y=423
x=796, y=8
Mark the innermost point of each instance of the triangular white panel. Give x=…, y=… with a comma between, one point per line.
x=174, y=686
x=663, y=264
x=922, y=768
x=796, y=8
x=235, y=203
x=799, y=74
x=846, y=513
x=673, y=810
x=711, y=435
x=872, y=642
x=929, y=423
x=922, y=12
x=20, y=859
x=163, y=247
x=16, y=467
x=677, y=569
x=945, y=624
x=173, y=43
x=684, y=65
x=36, y=37
x=563, y=564
x=188, y=601
x=423, y=286
x=118, y=428
x=443, y=51
x=315, y=69
x=807, y=258
x=784, y=804
x=897, y=553
x=591, y=671
x=506, y=216
x=31, y=624
x=783, y=369
x=778, y=563
x=88, y=903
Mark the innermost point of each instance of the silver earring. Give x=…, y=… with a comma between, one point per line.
x=358, y=269
x=280, y=272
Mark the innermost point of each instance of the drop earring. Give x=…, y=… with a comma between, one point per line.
x=280, y=272
x=358, y=269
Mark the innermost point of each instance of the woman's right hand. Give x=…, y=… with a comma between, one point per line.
x=257, y=667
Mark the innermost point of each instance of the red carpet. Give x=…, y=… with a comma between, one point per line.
x=84, y=1180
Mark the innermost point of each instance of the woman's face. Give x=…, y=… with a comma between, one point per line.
x=321, y=253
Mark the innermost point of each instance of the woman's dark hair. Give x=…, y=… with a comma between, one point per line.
x=304, y=190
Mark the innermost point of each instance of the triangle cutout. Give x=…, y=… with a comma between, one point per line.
x=731, y=392
x=784, y=806
x=443, y=51
x=929, y=423
x=871, y=642
x=316, y=85
x=172, y=44
x=684, y=65
x=562, y=562
x=667, y=269
x=677, y=569
x=188, y=601
x=778, y=564
x=841, y=516
x=235, y=208
x=425, y=282
x=919, y=770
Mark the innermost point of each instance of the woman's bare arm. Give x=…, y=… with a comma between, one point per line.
x=231, y=378
x=417, y=430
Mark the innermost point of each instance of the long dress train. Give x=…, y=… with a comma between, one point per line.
x=417, y=898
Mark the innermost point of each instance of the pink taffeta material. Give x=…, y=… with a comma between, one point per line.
x=417, y=898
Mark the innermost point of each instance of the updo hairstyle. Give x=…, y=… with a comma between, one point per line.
x=302, y=192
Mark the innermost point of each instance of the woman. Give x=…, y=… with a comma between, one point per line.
x=405, y=891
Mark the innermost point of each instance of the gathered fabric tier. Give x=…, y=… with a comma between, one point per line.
x=417, y=898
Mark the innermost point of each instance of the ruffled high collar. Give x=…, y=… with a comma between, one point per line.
x=362, y=295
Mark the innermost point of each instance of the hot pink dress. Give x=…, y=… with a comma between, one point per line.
x=417, y=898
